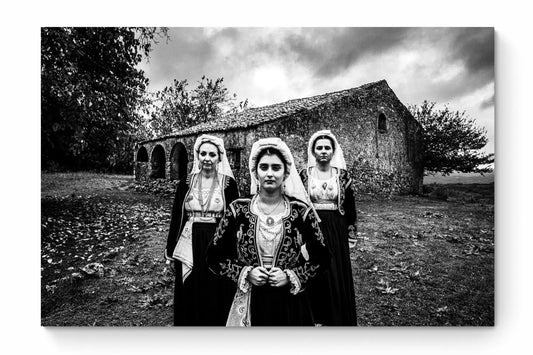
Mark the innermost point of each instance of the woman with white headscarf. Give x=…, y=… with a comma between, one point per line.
x=258, y=243
x=332, y=194
x=200, y=298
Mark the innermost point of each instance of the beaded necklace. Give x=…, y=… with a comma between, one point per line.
x=204, y=206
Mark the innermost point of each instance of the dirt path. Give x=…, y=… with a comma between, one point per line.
x=422, y=262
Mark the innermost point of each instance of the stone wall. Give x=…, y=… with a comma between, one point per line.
x=379, y=162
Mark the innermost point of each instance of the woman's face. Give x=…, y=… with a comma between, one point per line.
x=208, y=156
x=323, y=151
x=270, y=173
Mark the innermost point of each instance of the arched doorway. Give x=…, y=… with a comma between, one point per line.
x=141, y=167
x=178, y=161
x=142, y=155
x=158, y=163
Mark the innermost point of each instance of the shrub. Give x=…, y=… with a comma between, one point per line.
x=439, y=193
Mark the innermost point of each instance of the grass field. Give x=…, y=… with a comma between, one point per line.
x=424, y=260
x=460, y=178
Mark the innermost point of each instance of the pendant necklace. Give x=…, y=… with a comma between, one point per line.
x=269, y=220
x=325, y=184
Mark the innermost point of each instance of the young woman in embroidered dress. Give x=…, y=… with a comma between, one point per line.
x=258, y=243
x=332, y=194
x=200, y=298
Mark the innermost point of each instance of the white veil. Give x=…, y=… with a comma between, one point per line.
x=223, y=167
x=337, y=160
x=293, y=183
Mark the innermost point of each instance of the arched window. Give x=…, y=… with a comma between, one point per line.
x=382, y=123
x=142, y=154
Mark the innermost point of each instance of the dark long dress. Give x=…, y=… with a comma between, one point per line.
x=204, y=298
x=332, y=294
x=235, y=247
x=275, y=306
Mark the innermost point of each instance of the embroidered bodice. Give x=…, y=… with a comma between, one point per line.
x=269, y=233
x=221, y=199
x=235, y=247
x=197, y=203
x=323, y=191
x=344, y=190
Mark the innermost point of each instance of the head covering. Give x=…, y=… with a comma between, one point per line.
x=337, y=160
x=223, y=167
x=293, y=184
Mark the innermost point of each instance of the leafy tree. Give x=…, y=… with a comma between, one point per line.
x=207, y=97
x=91, y=89
x=452, y=141
x=176, y=107
x=173, y=108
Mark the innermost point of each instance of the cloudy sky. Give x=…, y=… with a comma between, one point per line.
x=453, y=66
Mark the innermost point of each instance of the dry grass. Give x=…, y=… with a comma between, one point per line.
x=425, y=262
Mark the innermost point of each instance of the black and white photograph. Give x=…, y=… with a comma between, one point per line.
x=300, y=177
x=267, y=176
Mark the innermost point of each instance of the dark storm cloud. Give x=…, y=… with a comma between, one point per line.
x=475, y=47
x=470, y=48
x=329, y=51
x=487, y=103
x=186, y=56
x=347, y=46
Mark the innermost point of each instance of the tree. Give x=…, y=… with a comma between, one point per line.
x=452, y=141
x=172, y=108
x=90, y=93
x=176, y=107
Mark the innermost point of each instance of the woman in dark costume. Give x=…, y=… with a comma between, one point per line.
x=331, y=191
x=200, y=298
x=258, y=243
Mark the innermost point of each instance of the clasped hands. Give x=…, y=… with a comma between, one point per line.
x=260, y=276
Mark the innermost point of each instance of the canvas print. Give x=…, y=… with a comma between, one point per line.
x=237, y=177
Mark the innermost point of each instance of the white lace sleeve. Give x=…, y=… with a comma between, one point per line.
x=294, y=281
x=243, y=284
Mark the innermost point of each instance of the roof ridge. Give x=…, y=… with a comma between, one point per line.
x=364, y=86
x=258, y=115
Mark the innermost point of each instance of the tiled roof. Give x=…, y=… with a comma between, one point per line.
x=256, y=116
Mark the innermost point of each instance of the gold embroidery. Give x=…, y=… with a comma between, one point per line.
x=231, y=270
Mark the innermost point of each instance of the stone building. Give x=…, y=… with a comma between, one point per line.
x=381, y=140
